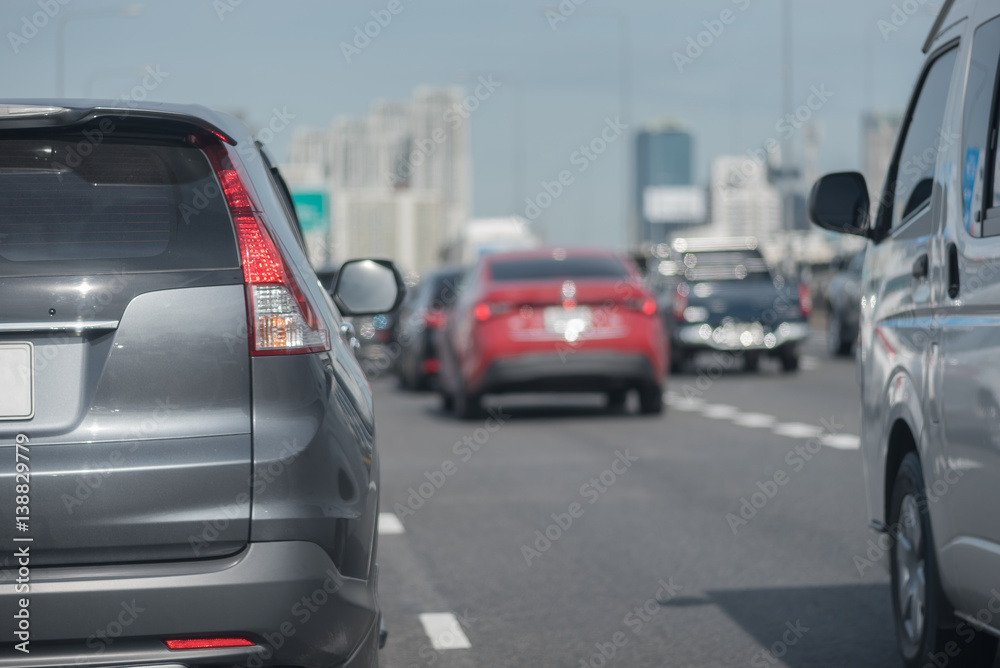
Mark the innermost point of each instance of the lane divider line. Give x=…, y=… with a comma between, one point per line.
x=444, y=631
x=389, y=525
x=797, y=430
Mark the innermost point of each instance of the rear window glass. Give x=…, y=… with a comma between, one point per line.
x=546, y=268
x=734, y=265
x=444, y=289
x=70, y=206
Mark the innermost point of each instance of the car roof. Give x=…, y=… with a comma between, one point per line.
x=74, y=111
x=543, y=253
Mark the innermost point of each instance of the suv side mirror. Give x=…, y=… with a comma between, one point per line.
x=368, y=287
x=839, y=202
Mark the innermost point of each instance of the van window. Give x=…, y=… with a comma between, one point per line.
x=976, y=125
x=913, y=173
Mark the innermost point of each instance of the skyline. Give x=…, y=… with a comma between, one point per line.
x=559, y=81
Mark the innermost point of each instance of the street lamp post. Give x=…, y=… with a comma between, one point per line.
x=128, y=11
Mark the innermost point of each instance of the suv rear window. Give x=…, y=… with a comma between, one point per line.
x=69, y=206
x=735, y=265
x=550, y=268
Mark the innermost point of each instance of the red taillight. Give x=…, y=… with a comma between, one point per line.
x=430, y=366
x=680, y=301
x=282, y=320
x=646, y=306
x=482, y=311
x=805, y=300
x=207, y=643
x=434, y=319
x=649, y=307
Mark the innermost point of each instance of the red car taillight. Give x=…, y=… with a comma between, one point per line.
x=645, y=306
x=483, y=311
x=434, y=319
x=680, y=301
x=805, y=300
x=282, y=320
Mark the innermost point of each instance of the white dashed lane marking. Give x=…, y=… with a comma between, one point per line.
x=797, y=430
x=389, y=525
x=444, y=631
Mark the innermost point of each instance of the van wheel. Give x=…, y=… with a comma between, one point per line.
x=447, y=401
x=751, y=362
x=918, y=606
x=651, y=400
x=835, y=342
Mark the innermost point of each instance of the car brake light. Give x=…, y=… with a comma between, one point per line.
x=646, y=306
x=282, y=319
x=680, y=301
x=805, y=300
x=207, y=643
x=434, y=319
x=483, y=311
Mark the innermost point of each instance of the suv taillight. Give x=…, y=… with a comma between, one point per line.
x=805, y=300
x=680, y=301
x=282, y=320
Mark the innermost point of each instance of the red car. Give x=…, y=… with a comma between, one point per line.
x=557, y=320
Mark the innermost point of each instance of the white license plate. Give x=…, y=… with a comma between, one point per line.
x=16, y=382
x=568, y=321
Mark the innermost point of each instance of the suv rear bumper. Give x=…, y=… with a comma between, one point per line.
x=567, y=372
x=285, y=596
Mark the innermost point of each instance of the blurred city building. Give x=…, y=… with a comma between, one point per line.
x=482, y=236
x=396, y=182
x=665, y=197
x=744, y=202
x=878, y=137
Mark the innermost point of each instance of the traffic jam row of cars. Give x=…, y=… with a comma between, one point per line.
x=584, y=320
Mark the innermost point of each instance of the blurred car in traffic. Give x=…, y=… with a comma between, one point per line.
x=930, y=354
x=843, y=297
x=725, y=298
x=421, y=316
x=181, y=344
x=553, y=320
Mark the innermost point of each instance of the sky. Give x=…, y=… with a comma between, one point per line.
x=559, y=70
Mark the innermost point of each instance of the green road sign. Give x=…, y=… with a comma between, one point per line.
x=310, y=207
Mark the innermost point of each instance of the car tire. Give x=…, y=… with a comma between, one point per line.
x=835, y=342
x=447, y=401
x=789, y=360
x=467, y=406
x=751, y=362
x=921, y=614
x=651, y=400
x=616, y=400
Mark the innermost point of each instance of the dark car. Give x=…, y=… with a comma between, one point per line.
x=421, y=316
x=188, y=442
x=844, y=303
x=725, y=298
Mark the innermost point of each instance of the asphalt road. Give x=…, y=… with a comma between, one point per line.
x=724, y=533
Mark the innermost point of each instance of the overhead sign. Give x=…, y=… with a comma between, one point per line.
x=311, y=208
x=674, y=205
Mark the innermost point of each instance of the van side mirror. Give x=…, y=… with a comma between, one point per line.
x=368, y=287
x=839, y=202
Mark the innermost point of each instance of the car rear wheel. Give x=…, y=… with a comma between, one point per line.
x=447, y=401
x=789, y=360
x=835, y=342
x=616, y=400
x=918, y=605
x=751, y=362
x=651, y=400
x=468, y=406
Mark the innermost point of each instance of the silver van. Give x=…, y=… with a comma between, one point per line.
x=930, y=345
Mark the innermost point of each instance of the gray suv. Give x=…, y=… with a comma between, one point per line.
x=930, y=346
x=187, y=452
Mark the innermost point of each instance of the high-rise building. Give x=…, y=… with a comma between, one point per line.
x=744, y=203
x=397, y=179
x=878, y=137
x=663, y=154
